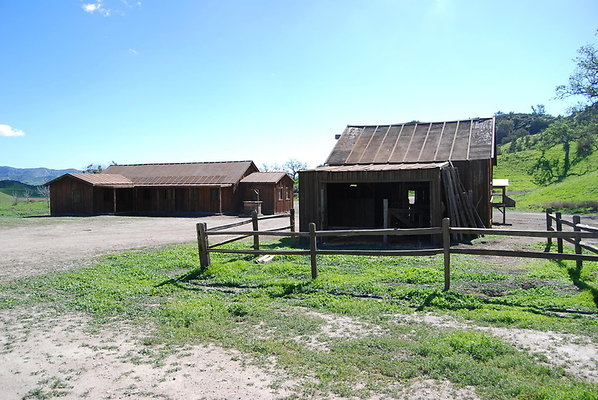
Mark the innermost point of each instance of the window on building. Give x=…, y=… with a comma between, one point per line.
x=280, y=194
x=215, y=194
x=288, y=194
x=193, y=195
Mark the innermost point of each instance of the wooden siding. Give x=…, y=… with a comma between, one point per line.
x=476, y=175
x=269, y=195
x=71, y=197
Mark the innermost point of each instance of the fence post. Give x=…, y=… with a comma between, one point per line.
x=559, y=228
x=446, y=244
x=202, y=246
x=548, y=227
x=256, y=237
x=313, y=247
x=292, y=217
x=576, y=221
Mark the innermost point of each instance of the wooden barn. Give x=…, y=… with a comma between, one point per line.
x=403, y=176
x=156, y=189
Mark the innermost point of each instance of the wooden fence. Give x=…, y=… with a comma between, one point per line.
x=446, y=231
x=576, y=225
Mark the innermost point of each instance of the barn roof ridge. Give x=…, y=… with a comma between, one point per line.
x=417, y=122
x=184, y=163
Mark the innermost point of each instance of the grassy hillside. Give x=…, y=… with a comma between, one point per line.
x=576, y=193
x=10, y=187
x=23, y=208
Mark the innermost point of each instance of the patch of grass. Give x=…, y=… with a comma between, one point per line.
x=23, y=208
x=271, y=311
x=578, y=193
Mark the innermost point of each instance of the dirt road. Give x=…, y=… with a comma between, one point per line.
x=36, y=246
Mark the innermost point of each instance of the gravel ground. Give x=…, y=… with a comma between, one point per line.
x=35, y=246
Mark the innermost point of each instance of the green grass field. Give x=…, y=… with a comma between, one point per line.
x=23, y=208
x=577, y=193
x=270, y=311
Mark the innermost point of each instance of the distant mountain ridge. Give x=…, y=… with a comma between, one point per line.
x=32, y=176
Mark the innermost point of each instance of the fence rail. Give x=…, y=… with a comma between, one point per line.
x=577, y=226
x=446, y=231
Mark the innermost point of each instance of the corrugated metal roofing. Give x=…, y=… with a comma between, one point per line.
x=382, y=167
x=264, y=177
x=103, y=179
x=471, y=139
x=183, y=174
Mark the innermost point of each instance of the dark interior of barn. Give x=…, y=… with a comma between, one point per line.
x=378, y=205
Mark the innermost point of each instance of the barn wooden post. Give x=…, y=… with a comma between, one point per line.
x=548, y=227
x=256, y=237
x=202, y=246
x=576, y=221
x=114, y=200
x=559, y=228
x=446, y=244
x=292, y=223
x=385, y=218
x=313, y=247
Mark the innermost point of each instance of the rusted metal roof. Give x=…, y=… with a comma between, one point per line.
x=265, y=177
x=184, y=174
x=382, y=167
x=471, y=139
x=107, y=180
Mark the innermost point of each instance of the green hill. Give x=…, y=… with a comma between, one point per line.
x=11, y=187
x=578, y=192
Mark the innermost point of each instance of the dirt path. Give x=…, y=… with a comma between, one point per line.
x=36, y=246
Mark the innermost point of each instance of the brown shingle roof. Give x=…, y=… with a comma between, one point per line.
x=264, y=177
x=184, y=174
x=415, y=142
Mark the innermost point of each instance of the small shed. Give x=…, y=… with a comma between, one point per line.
x=274, y=191
x=403, y=175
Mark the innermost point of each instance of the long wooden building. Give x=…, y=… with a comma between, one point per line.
x=163, y=189
x=403, y=175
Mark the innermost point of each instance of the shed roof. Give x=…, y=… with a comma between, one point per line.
x=108, y=180
x=471, y=139
x=224, y=173
x=265, y=177
x=383, y=167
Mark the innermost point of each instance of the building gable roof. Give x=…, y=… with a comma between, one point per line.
x=107, y=180
x=184, y=174
x=265, y=177
x=471, y=139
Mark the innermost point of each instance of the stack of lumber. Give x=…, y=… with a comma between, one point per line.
x=459, y=202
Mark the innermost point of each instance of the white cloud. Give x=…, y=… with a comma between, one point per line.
x=98, y=7
x=7, y=130
x=133, y=52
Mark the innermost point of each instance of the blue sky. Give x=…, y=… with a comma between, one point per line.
x=173, y=81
